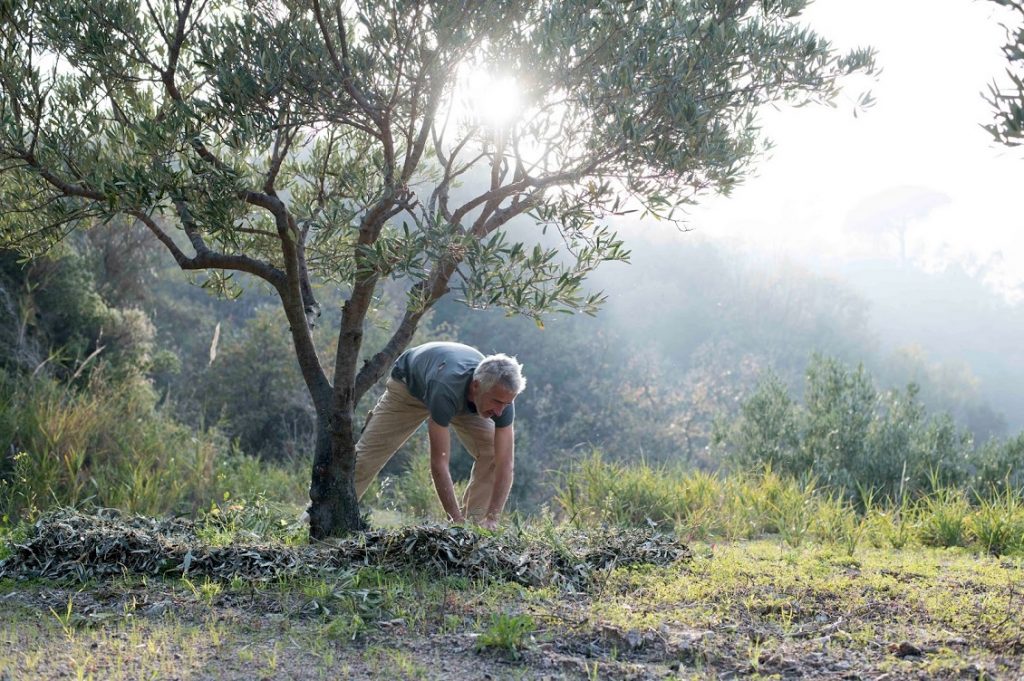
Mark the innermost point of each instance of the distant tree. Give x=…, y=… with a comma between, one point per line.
x=307, y=139
x=54, y=320
x=855, y=438
x=1008, y=103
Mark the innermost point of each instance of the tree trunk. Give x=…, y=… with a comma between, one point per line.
x=334, y=509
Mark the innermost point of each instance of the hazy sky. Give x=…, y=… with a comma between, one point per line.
x=838, y=186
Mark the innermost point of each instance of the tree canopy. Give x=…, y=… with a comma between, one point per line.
x=308, y=141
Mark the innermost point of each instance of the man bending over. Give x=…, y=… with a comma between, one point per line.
x=449, y=384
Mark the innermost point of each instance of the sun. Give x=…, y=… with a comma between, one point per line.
x=487, y=98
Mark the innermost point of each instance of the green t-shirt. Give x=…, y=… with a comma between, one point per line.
x=438, y=374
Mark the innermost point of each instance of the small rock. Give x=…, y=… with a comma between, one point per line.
x=905, y=649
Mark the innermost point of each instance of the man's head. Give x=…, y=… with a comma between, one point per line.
x=496, y=382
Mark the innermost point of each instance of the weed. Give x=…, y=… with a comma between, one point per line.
x=270, y=663
x=839, y=524
x=998, y=523
x=943, y=518
x=67, y=619
x=207, y=591
x=346, y=627
x=507, y=634
x=793, y=510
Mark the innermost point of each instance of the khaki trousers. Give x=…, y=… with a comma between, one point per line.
x=396, y=417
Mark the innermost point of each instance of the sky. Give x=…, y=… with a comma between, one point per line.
x=839, y=187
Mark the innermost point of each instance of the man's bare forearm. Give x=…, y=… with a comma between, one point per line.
x=445, y=490
x=440, y=447
x=504, y=464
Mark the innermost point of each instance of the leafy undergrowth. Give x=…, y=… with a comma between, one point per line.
x=745, y=609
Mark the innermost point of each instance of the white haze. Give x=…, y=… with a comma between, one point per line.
x=911, y=203
x=838, y=187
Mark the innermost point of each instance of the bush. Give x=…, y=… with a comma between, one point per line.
x=999, y=465
x=767, y=432
x=858, y=441
x=105, y=445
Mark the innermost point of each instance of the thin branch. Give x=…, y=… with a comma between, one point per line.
x=258, y=232
x=174, y=48
x=282, y=144
x=341, y=62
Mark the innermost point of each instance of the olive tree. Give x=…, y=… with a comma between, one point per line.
x=1008, y=102
x=326, y=142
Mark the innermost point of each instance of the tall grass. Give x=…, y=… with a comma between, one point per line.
x=997, y=524
x=106, y=445
x=695, y=503
x=746, y=505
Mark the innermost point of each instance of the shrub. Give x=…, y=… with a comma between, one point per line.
x=767, y=431
x=106, y=445
x=854, y=439
x=999, y=465
x=253, y=392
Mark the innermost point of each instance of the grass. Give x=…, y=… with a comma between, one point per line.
x=743, y=608
x=108, y=446
x=707, y=506
x=506, y=634
x=790, y=578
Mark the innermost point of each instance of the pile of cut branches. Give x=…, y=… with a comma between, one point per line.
x=73, y=545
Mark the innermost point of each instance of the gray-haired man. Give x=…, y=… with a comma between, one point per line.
x=449, y=384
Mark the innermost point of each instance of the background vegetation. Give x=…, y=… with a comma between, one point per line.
x=758, y=400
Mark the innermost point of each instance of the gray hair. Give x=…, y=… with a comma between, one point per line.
x=500, y=369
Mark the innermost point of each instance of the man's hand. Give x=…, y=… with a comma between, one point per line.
x=489, y=522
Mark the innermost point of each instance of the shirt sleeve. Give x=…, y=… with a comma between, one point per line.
x=442, y=405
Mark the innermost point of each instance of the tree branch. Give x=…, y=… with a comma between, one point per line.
x=374, y=368
x=207, y=259
x=282, y=144
x=341, y=62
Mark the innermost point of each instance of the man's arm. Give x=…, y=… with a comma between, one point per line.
x=440, y=456
x=504, y=463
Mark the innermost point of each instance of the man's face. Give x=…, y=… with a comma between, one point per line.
x=490, y=403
